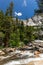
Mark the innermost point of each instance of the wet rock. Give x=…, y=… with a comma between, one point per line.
x=41, y=50
x=38, y=43
x=8, y=50
x=28, y=48
x=2, y=53
x=36, y=53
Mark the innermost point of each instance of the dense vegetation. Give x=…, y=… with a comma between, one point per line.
x=40, y=5
x=13, y=33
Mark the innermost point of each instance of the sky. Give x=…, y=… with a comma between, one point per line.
x=22, y=8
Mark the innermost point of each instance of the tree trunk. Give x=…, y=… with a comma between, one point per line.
x=6, y=39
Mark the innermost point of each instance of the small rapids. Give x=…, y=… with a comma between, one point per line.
x=25, y=61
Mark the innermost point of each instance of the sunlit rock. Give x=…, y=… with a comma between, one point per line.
x=2, y=53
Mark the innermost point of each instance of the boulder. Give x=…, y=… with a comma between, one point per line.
x=36, y=53
x=2, y=53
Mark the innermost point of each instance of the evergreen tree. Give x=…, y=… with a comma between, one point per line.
x=9, y=10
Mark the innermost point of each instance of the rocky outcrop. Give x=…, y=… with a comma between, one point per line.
x=36, y=20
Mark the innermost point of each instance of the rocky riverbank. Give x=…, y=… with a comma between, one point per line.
x=28, y=52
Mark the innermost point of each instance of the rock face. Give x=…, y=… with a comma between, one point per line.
x=2, y=53
x=34, y=21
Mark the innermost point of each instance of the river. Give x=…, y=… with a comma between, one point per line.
x=28, y=58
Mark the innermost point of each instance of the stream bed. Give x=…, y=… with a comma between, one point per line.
x=23, y=61
x=24, y=58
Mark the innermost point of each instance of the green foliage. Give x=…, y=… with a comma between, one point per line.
x=13, y=32
x=9, y=10
x=40, y=4
x=29, y=33
x=13, y=43
x=38, y=11
x=14, y=39
x=1, y=47
x=26, y=41
x=2, y=34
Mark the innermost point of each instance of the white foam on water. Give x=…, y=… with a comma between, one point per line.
x=17, y=51
x=41, y=55
x=23, y=61
x=28, y=53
